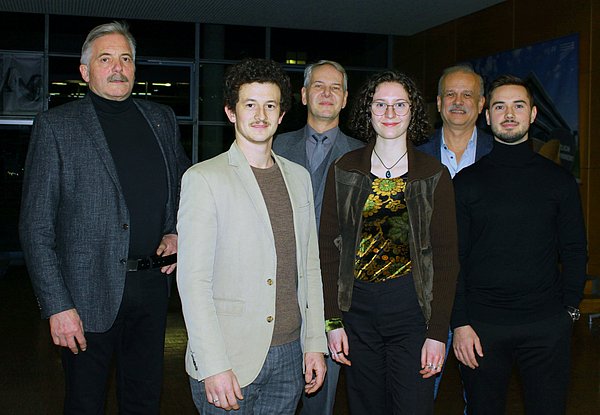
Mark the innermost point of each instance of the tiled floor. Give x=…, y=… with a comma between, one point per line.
x=31, y=377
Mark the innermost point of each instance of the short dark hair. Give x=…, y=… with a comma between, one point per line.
x=503, y=80
x=256, y=70
x=360, y=118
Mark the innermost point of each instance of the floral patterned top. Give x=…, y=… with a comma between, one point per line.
x=383, y=253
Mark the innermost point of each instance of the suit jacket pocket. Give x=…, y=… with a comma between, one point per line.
x=229, y=307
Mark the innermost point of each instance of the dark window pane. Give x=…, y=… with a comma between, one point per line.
x=356, y=79
x=295, y=118
x=164, y=39
x=187, y=138
x=231, y=42
x=214, y=140
x=166, y=84
x=22, y=31
x=303, y=46
x=14, y=140
x=65, y=81
x=21, y=88
x=153, y=38
x=67, y=33
x=211, y=93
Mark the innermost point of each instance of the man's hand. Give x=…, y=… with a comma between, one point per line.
x=314, y=373
x=66, y=330
x=168, y=246
x=465, y=344
x=432, y=358
x=222, y=390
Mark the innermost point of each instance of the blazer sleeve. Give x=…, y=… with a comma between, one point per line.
x=38, y=219
x=198, y=232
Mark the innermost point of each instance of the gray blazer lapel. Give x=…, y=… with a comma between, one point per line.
x=297, y=152
x=91, y=125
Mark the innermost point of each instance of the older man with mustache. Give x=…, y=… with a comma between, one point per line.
x=97, y=228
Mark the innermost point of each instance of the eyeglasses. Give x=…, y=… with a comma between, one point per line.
x=401, y=108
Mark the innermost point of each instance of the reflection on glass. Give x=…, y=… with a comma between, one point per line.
x=167, y=84
x=21, y=88
x=65, y=81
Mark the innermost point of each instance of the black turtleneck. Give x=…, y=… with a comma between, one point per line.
x=519, y=216
x=141, y=169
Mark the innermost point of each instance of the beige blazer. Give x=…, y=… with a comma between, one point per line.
x=227, y=263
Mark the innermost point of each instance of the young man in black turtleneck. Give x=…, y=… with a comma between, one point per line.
x=522, y=247
x=100, y=198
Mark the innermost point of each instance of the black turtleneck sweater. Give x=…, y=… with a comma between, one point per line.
x=141, y=169
x=519, y=217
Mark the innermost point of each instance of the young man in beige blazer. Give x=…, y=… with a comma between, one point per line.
x=249, y=276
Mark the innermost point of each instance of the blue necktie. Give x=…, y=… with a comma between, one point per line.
x=319, y=153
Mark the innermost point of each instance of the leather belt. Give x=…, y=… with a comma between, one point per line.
x=150, y=262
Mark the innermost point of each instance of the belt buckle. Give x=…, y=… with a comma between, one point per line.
x=132, y=265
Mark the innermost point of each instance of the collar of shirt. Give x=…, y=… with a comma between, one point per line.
x=448, y=158
x=311, y=143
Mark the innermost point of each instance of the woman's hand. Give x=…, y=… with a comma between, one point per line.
x=432, y=358
x=338, y=346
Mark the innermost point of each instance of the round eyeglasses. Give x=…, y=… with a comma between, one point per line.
x=401, y=108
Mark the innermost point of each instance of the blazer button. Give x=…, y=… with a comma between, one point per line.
x=125, y=226
x=269, y=319
x=269, y=281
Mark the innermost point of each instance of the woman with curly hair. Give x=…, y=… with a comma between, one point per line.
x=388, y=254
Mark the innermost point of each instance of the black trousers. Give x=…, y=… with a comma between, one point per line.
x=386, y=331
x=136, y=341
x=541, y=351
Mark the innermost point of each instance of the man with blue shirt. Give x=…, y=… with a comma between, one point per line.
x=459, y=143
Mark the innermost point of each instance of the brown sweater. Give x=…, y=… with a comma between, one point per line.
x=436, y=262
x=277, y=199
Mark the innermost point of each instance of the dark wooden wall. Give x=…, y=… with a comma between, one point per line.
x=514, y=24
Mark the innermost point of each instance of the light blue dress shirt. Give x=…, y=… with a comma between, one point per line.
x=468, y=157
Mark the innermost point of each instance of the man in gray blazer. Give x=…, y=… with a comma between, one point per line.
x=98, y=216
x=315, y=147
x=249, y=273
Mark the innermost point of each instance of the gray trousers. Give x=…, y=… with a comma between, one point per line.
x=321, y=403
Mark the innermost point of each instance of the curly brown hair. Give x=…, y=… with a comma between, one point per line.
x=256, y=70
x=360, y=117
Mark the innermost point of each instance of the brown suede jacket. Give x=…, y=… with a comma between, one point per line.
x=433, y=241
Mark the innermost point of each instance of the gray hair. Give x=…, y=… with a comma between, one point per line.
x=462, y=69
x=309, y=69
x=120, y=28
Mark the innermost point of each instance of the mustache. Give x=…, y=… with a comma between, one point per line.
x=457, y=107
x=119, y=77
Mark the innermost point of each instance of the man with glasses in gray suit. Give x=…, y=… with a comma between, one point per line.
x=315, y=146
